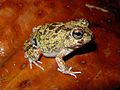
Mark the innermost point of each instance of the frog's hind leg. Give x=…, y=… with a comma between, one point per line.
x=30, y=63
x=61, y=64
x=36, y=63
x=33, y=58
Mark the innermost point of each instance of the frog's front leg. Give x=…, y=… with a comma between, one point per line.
x=61, y=64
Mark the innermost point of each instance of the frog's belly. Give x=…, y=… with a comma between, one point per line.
x=55, y=53
x=50, y=54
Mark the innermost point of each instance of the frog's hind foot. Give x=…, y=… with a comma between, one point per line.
x=36, y=64
x=68, y=71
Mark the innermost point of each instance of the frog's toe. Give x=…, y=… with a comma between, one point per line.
x=68, y=71
x=39, y=62
x=30, y=62
x=36, y=64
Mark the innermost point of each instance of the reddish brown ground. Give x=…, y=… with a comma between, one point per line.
x=99, y=61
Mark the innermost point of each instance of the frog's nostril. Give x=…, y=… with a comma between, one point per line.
x=81, y=41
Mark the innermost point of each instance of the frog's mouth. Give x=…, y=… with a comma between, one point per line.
x=76, y=46
x=81, y=43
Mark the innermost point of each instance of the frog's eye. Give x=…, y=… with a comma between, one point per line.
x=77, y=34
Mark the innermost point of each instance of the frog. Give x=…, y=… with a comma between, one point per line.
x=57, y=40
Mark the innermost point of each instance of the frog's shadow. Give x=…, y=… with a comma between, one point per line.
x=89, y=47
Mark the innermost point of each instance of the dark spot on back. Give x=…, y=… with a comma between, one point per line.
x=40, y=33
x=51, y=27
x=27, y=47
x=54, y=35
x=56, y=31
x=55, y=24
x=59, y=28
x=44, y=32
x=67, y=29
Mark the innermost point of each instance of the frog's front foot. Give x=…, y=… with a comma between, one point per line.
x=68, y=71
x=36, y=64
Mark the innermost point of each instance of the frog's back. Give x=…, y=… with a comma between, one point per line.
x=50, y=37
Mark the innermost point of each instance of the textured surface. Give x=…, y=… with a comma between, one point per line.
x=98, y=61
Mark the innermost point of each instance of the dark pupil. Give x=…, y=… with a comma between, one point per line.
x=78, y=34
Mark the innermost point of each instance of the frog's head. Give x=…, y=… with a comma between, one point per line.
x=79, y=35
